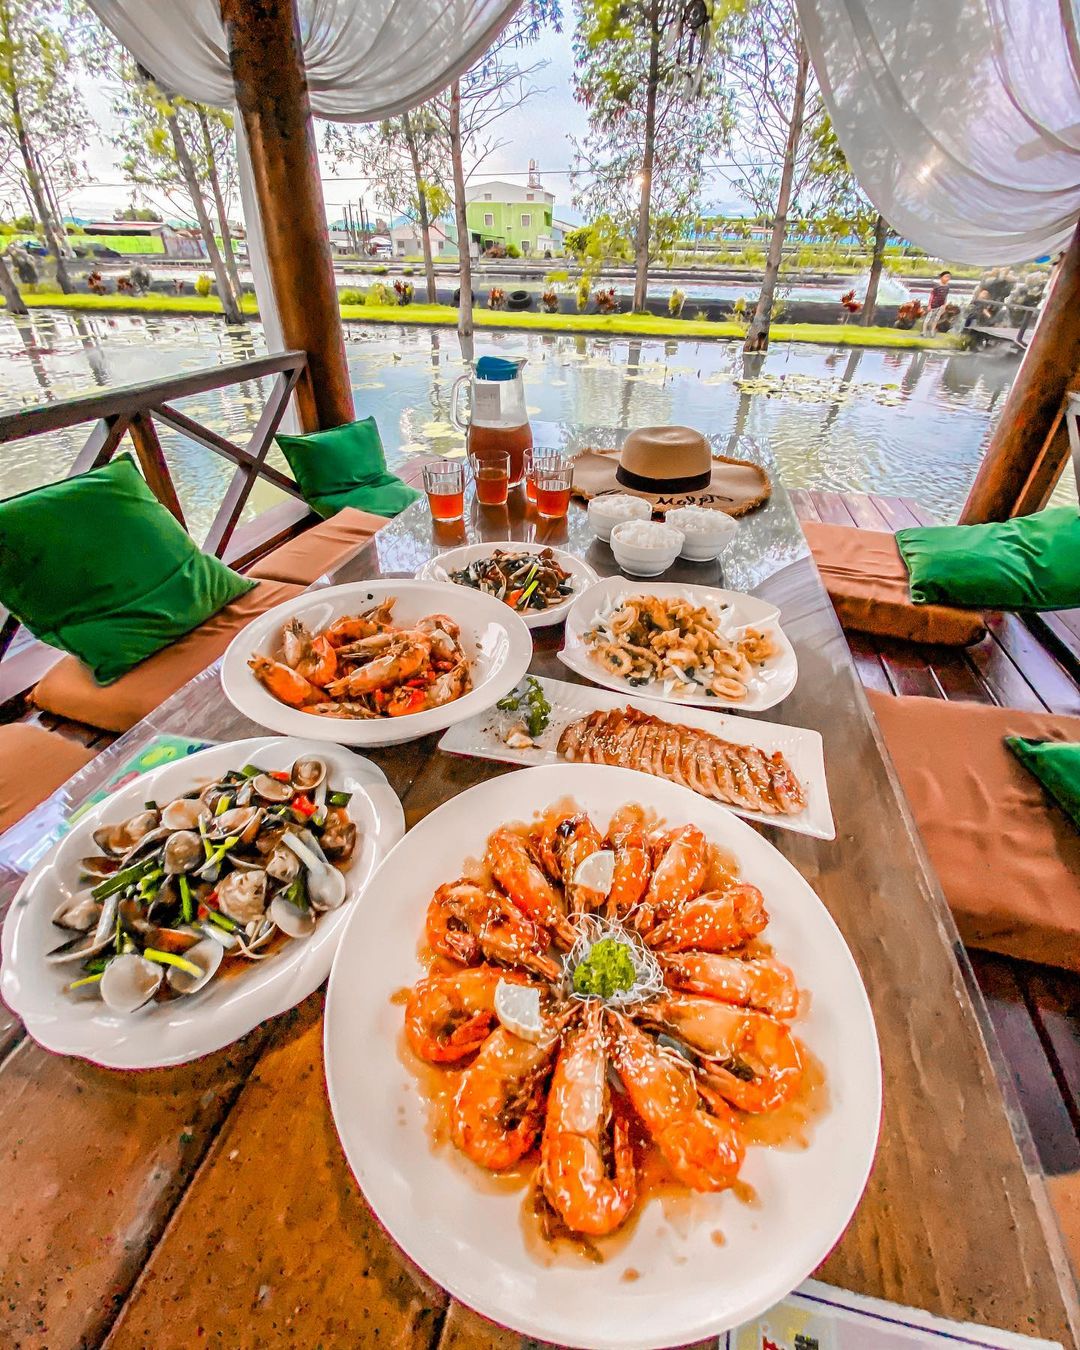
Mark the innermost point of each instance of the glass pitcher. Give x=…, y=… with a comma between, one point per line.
x=495, y=418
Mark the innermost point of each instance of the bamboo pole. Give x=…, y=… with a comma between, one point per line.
x=272, y=96
x=1019, y=442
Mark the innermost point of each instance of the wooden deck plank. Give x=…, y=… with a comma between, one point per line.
x=1062, y=630
x=1052, y=683
x=956, y=677
x=1054, y=999
x=91, y=1164
x=803, y=503
x=907, y=668
x=921, y=514
x=831, y=507
x=241, y=1262
x=868, y=662
x=1002, y=676
x=895, y=510
x=865, y=512
x=1033, y=1077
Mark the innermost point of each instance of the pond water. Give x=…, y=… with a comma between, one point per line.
x=908, y=423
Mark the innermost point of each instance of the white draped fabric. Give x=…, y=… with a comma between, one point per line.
x=960, y=118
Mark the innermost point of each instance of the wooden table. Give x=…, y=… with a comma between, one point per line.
x=211, y=1204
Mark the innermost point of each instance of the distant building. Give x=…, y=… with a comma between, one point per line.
x=406, y=241
x=498, y=212
x=175, y=243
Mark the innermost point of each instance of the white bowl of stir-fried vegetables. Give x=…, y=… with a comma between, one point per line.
x=196, y=901
x=537, y=582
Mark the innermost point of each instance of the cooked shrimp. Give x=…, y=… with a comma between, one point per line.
x=352, y=626
x=444, y=688
x=525, y=884
x=449, y=1016
x=704, y=1150
x=498, y=1110
x=565, y=842
x=759, y=982
x=285, y=683
x=466, y=923
x=400, y=662
x=317, y=662
x=713, y=922
x=751, y=1059
x=633, y=863
x=444, y=634
x=586, y=1177
x=294, y=635
x=680, y=868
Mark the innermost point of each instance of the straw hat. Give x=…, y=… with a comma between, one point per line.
x=670, y=467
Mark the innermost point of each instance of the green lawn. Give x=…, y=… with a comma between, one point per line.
x=630, y=325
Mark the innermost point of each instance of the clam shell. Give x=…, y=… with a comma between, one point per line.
x=307, y=773
x=129, y=981
x=206, y=954
x=293, y=921
x=183, y=852
x=272, y=789
x=183, y=814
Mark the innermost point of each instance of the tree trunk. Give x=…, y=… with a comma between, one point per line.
x=421, y=206
x=219, y=205
x=229, y=303
x=12, y=299
x=641, y=241
x=757, y=337
x=35, y=187
x=881, y=233
x=465, y=305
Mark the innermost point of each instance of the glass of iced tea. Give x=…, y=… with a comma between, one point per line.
x=491, y=476
x=554, y=479
x=444, y=484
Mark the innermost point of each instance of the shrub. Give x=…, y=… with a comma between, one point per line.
x=496, y=298
x=380, y=271
x=95, y=283
x=908, y=315
x=141, y=278
x=203, y=284
x=403, y=292
x=125, y=286
x=407, y=271
x=550, y=301
x=553, y=278
x=584, y=290
x=350, y=297
x=701, y=315
x=607, y=301
x=675, y=303
x=379, y=293
x=512, y=251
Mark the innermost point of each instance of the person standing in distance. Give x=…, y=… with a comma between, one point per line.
x=939, y=297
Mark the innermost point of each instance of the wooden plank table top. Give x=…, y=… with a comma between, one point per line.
x=211, y=1204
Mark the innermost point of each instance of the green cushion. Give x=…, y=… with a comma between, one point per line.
x=1032, y=562
x=346, y=466
x=1056, y=764
x=96, y=566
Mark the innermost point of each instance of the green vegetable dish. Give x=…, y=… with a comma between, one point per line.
x=230, y=869
x=531, y=702
x=525, y=581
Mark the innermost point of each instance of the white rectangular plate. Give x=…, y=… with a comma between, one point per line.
x=802, y=748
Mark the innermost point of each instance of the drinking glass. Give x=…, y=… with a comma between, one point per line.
x=538, y=461
x=491, y=474
x=554, y=480
x=444, y=484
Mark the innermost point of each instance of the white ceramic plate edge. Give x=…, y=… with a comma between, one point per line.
x=435, y=570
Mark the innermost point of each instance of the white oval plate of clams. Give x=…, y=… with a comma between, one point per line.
x=769, y=683
x=494, y=639
x=668, y=1279
x=242, y=993
x=582, y=575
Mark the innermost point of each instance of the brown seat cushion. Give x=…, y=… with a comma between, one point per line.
x=69, y=690
x=868, y=585
x=319, y=549
x=1007, y=858
x=33, y=764
x=1065, y=1198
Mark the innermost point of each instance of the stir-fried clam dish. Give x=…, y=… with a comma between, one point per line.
x=600, y=994
x=361, y=665
x=525, y=581
x=647, y=639
x=229, y=870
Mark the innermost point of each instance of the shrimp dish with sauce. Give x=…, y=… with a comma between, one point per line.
x=363, y=666
x=598, y=993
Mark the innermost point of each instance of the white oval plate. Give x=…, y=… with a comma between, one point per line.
x=494, y=639
x=582, y=575
x=171, y=1033
x=767, y=687
x=466, y=1233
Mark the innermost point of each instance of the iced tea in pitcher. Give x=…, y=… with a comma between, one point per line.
x=497, y=420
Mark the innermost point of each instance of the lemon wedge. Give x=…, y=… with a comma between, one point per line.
x=517, y=1006
x=596, y=872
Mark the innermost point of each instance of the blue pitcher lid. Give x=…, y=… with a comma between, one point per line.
x=497, y=368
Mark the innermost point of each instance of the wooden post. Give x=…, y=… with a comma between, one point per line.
x=272, y=96
x=1035, y=400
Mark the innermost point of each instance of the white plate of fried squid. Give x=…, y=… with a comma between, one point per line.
x=695, y=645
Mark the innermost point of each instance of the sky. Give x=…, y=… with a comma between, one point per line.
x=541, y=129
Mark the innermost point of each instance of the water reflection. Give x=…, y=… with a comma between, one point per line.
x=909, y=423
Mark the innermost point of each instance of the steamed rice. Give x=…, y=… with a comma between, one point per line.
x=647, y=534
x=699, y=521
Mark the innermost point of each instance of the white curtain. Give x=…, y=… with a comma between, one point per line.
x=960, y=118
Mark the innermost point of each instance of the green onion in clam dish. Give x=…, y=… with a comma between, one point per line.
x=525, y=581
x=228, y=870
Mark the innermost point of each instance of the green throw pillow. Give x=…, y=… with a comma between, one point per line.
x=1056, y=764
x=1032, y=562
x=96, y=566
x=346, y=466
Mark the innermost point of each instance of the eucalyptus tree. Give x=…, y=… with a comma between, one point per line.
x=44, y=122
x=406, y=161
x=648, y=74
x=777, y=105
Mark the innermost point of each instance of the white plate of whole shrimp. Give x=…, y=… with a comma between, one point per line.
x=487, y=651
x=683, y=1264
x=727, y=649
